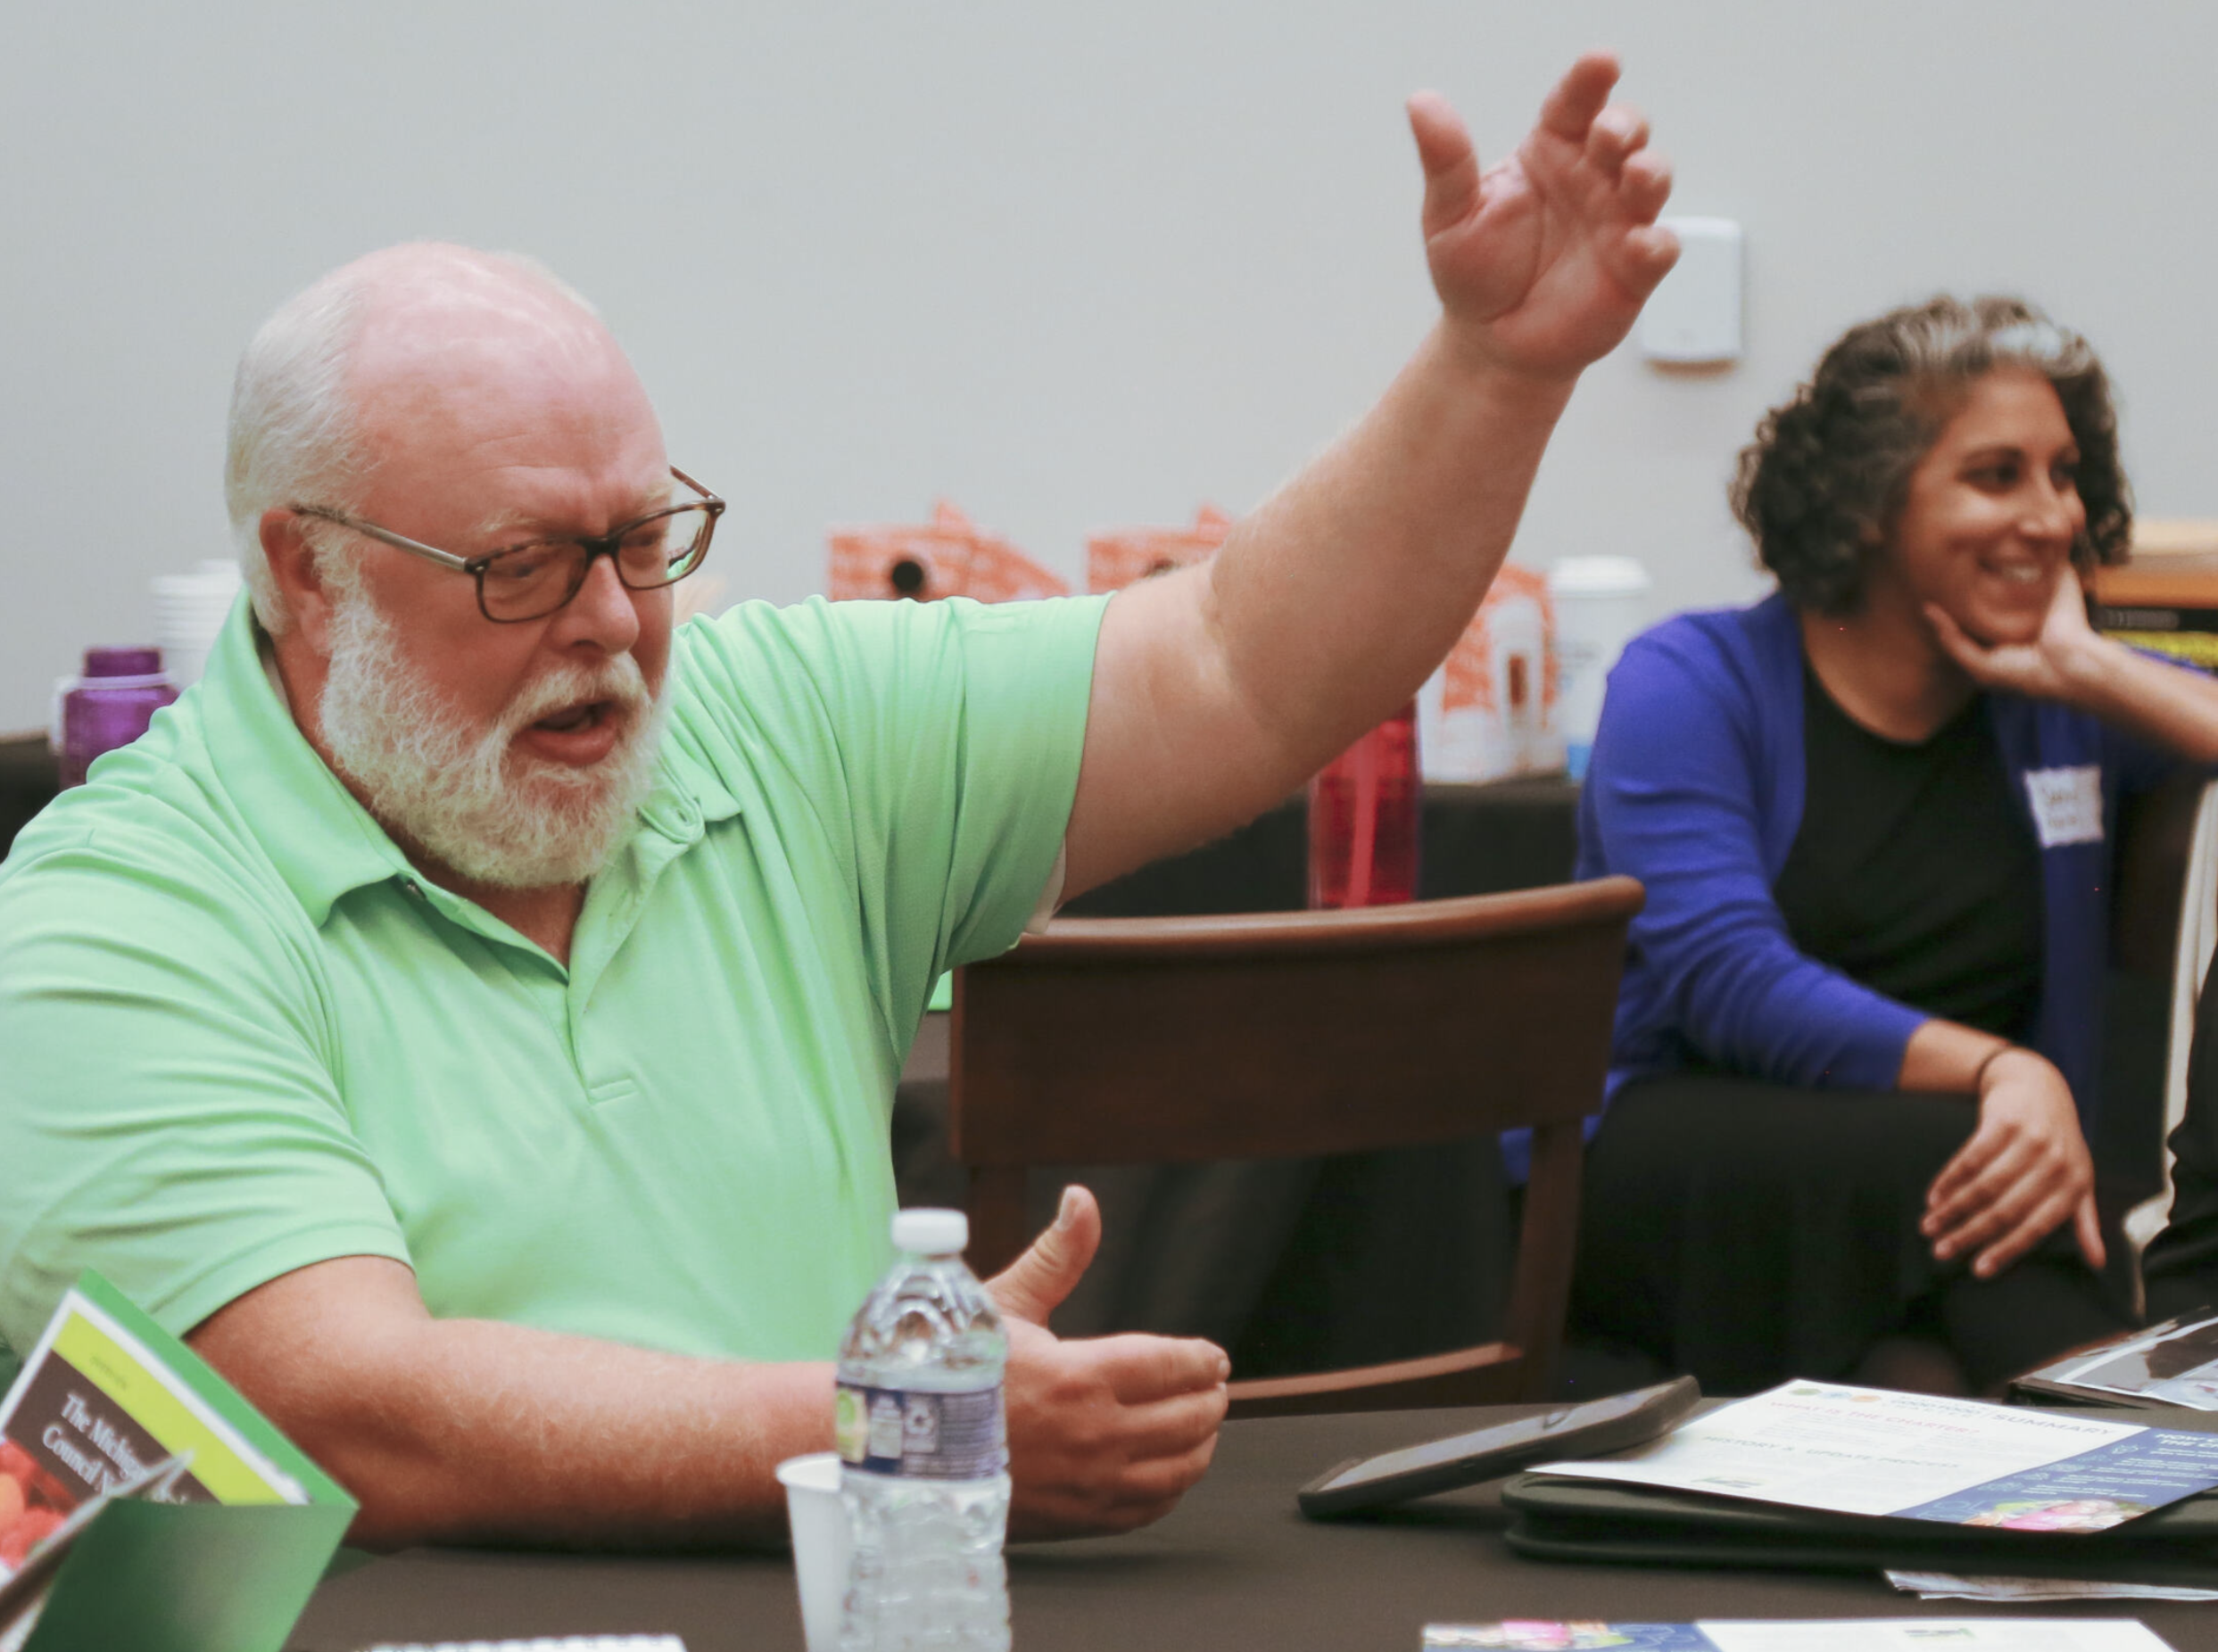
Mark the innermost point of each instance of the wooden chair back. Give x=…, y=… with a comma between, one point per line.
x=1172, y=1040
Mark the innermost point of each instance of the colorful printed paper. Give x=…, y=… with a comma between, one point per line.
x=1886, y=1634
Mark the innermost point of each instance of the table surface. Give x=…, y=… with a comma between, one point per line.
x=1234, y=1566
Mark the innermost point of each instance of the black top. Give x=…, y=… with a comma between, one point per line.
x=1914, y=872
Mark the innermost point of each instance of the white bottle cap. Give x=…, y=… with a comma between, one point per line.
x=930, y=1233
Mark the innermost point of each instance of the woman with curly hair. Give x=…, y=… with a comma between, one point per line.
x=1874, y=814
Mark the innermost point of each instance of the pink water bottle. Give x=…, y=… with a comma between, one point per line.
x=1366, y=807
x=109, y=705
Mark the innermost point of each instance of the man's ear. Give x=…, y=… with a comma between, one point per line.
x=293, y=566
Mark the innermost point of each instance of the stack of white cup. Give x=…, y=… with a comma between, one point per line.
x=1601, y=604
x=189, y=611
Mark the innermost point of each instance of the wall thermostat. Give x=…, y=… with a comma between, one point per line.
x=1693, y=317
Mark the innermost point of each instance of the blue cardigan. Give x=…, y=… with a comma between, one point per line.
x=1696, y=788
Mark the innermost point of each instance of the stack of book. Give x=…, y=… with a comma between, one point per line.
x=2164, y=598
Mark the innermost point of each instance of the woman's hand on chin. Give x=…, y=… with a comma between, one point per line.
x=2060, y=663
x=2025, y=1173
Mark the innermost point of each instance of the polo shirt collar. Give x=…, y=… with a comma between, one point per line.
x=323, y=842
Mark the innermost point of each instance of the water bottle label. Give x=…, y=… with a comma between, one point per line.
x=921, y=1435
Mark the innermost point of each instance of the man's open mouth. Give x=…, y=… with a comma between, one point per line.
x=570, y=719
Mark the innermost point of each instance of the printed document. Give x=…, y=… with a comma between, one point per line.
x=1878, y=1634
x=1919, y=1456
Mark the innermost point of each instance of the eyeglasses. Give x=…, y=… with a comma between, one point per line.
x=530, y=581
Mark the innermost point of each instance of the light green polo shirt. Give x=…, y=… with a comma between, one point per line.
x=239, y=1035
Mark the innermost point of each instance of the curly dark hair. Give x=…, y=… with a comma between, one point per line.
x=1821, y=486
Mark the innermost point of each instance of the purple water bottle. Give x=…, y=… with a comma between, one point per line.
x=109, y=705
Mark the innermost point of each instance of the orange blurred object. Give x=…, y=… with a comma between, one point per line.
x=1471, y=681
x=1490, y=709
x=1116, y=558
x=947, y=557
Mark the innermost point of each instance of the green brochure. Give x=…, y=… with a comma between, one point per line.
x=208, y=1528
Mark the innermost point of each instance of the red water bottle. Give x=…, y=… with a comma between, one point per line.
x=1365, y=809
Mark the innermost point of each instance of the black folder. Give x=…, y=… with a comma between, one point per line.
x=1560, y=1517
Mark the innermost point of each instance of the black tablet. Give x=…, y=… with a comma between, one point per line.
x=1588, y=1430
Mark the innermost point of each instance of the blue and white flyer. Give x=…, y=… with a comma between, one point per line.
x=1920, y=1457
x=1890, y=1634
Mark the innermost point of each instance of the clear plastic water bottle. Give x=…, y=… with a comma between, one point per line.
x=924, y=1453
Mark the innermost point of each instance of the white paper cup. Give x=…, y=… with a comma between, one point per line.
x=189, y=613
x=821, y=1543
x=183, y=667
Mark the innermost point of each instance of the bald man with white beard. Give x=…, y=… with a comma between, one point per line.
x=472, y=1014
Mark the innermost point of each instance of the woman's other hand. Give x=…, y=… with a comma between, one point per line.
x=2025, y=1172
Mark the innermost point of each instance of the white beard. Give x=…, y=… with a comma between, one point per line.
x=465, y=795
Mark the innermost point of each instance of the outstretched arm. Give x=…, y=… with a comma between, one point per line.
x=1218, y=690
x=469, y=1430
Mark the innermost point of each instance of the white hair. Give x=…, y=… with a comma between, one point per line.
x=293, y=435
x=292, y=431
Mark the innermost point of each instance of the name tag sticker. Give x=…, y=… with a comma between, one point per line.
x=2067, y=804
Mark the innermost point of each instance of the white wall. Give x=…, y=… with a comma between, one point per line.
x=1069, y=265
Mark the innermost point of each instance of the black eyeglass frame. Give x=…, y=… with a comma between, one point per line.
x=600, y=545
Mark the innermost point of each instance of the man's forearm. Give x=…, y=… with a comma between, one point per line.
x=527, y=1436
x=467, y=1430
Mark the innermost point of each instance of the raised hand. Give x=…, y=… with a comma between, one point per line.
x=1106, y=1434
x=1542, y=261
